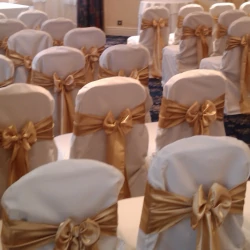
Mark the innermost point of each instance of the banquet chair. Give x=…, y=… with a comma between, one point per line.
x=134, y=63
x=245, y=7
x=2, y=16
x=220, y=42
x=195, y=44
x=61, y=71
x=65, y=205
x=70, y=10
x=7, y=70
x=23, y=47
x=57, y=28
x=110, y=117
x=91, y=41
x=33, y=19
x=26, y=127
x=188, y=181
x=8, y=27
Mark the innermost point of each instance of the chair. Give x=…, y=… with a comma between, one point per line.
x=2, y=16
x=63, y=80
x=58, y=204
x=195, y=44
x=245, y=7
x=33, y=19
x=91, y=41
x=57, y=28
x=187, y=181
x=8, y=27
x=23, y=47
x=114, y=100
x=70, y=10
x=127, y=60
x=26, y=116
x=7, y=70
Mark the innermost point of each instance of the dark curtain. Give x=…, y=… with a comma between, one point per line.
x=90, y=13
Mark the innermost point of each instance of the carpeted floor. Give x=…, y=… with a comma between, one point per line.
x=154, y=84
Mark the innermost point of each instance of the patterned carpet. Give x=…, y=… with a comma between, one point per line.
x=154, y=84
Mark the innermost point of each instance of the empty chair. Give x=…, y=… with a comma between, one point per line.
x=2, y=16
x=33, y=19
x=109, y=127
x=23, y=47
x=245, y=7
x=7, y=28
x=57, y=28
x=70, y=207
x=26, y=127
x=7, y=70
x=195, y=192
x=91, y=41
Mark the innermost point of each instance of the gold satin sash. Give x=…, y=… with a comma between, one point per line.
x=157, y=25
x=216, y=19
x=20, y=143
x=69, y=235
x=198, y=116
x=4, y=44
x=21, y=60
x=116, y=131
x=92, y=57
x=57, y=43
x=163, y=210
x=65, y=87
x=180, y=22
x=141, y=75
x=243, y=42
x=201, y=33
x=6, y=82
x=221, y=31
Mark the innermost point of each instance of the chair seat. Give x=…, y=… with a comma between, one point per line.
x=211, y=63
x=133, y=40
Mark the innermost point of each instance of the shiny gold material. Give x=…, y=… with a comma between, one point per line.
x=221, y=31
x=7, y=82
x=4, y=44
x=57, y=43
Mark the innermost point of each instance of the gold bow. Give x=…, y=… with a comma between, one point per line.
x=180, y=22
x=221, y=31
x=57, y=43
x=65, y=87
x=158, y=43
x=6, y=82
x=163, y=209
x=116, y=131
x=69, y=235
x=92, y=57
x=20, y=144
x=200, y=117
x=4, y=44
x=244, y=42
x=201, y=33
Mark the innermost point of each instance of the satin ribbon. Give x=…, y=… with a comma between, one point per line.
x=141, y=75
x=6, y=82
x=92, y=58
x=4, y=44
x=116, y=131
x=163, y=210
x=64, y=87
x=21, y=60
x=157, y=25
x=69, y=235
x=198, y=116
x=216, y=19
x=243, y=42
x=221, y=31
x=20, y=143
x=57, y=43
x=201, y=33
x=180, y=22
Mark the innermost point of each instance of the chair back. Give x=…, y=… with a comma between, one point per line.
x=7, y=70
x=245, y=7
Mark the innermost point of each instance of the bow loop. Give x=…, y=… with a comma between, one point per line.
x=4, y=44
x=202, y=31
x=27, y=62
x=135, y=74
x=57, y=43
x=245, y=40
x=161, y=23
x=60, y=85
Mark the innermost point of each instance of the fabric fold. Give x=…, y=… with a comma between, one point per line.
x=4, y=44
x=221, y=31
x=7, y=82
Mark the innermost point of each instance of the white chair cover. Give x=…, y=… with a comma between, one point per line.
x=231, y=66
x=8, y=27
x=7, y=69
x=49, y=62
x=33, y=19
x=20, y=103
x=62, y=190
x=2, y=16
x=111, y=94
x=245, y=7
x=28, y=43
x=178, y=59
x=187, y=88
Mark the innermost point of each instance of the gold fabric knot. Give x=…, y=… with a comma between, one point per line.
x=4, y=44
x=57, y=43
x=64, y=85
x=200, y=117
x=180, y=22
x=202, y=31
x=27, y=62
x=71, y=236
x=161, y=23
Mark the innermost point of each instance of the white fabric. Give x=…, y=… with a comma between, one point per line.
x=133, y=40
x=231, y=66
x=9, y=27
x=57, y=28
x=12, y=10
x=245, y=7
x=17, y=107
x=28, y=43
x=33, y=19
x=2, y=16
x=152, y=132
x=7, y=68
x=49, y=61
x=111, y=94
x=213, y=62
x=62, y=190
x=178, y=59
x=187, y=88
